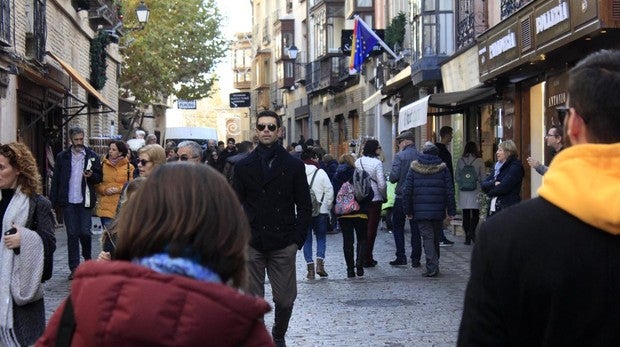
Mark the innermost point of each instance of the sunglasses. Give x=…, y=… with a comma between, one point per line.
x=562, y=112
x=143, y=162
x=270, y=126
x=186, y=158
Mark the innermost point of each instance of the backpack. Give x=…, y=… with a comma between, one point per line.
x=361, y=184
x=468, y=178
x=345, y=200
x=316, y=204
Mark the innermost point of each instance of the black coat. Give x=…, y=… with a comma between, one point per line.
x=278, y=206
x=510, y=178
x=59, y=191
x=542, y=277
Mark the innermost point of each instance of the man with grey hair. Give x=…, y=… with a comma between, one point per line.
x=76, y=172
x=189, y=151
x=138, y=142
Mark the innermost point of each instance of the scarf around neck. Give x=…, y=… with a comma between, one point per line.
x=16, y=213
x=163, y=263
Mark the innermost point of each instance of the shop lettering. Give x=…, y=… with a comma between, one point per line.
x=502, y=45
x=552, y=17
x=557, y=99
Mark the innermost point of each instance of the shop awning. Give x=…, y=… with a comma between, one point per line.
x=397, y=82
x=372, y=101
x=458, y=100
x=81, y=81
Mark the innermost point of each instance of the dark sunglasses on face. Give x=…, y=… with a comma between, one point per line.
x=562, y=112
x=143, y=162
x=270, y=126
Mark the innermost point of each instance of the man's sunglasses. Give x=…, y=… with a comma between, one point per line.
x=186, y=158
x=562, y=112
x=270, y=126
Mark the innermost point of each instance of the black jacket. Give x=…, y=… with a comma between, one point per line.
x=59, y=192
x=542, y=277
x=510, y=178
x=278, y=206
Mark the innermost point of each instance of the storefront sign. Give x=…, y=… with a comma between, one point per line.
x=551, y=20
x=413, y=115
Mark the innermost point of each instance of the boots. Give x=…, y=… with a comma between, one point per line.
x=310, y=274
x=320, y=267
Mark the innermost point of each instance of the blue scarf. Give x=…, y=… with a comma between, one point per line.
x=163, y=263
x=498, y=165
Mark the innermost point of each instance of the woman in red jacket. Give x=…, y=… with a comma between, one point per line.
x=181, y=265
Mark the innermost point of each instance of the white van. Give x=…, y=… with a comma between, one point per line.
x=198, y=134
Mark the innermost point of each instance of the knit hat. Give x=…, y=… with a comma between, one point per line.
x=430, y=148
x=298, y=148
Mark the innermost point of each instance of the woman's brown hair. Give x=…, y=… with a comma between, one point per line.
x=199, y=217
x=22, y=160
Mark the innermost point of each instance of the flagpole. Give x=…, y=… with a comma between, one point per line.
x=381, y=42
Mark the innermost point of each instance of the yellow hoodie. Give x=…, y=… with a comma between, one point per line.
x=584, y=180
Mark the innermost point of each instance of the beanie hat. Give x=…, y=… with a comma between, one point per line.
x=430, y=148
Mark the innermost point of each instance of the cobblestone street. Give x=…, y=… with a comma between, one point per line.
x=389, y=306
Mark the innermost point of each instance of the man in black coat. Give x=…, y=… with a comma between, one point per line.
x=272, y=186
x=546, y=272
x=76, y=172
x=445, y=137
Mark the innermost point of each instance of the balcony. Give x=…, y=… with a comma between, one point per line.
x=329, y=74
x=426, y=72
x=102, y=12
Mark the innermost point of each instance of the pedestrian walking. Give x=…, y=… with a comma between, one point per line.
x=324, y=193
x=178, y=280
x=427, y=195
x=76, y=173
x=398, y=174
x=117, y=171
x=445, y=138
x=354, y=222
x=546, y=272
x=370, y=163
x=28, y=245
x=274, y=192
x=470, y=173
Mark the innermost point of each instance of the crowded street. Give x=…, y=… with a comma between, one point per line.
x=389, y=306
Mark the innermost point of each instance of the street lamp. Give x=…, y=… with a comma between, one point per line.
x=142, y=12
x=292, y=52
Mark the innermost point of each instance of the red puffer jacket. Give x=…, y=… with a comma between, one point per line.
x=122, y=304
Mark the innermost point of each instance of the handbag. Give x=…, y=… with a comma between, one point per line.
x=345, y=200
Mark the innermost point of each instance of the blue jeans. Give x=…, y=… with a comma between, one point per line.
x=398, y=224
x=319, y=225
x=78, y=222
x=106, y=222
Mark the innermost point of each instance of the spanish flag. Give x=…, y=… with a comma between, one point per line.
x=363, y=41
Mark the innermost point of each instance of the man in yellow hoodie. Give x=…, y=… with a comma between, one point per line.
x=548, y=272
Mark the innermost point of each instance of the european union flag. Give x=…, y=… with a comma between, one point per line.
x=363, y=42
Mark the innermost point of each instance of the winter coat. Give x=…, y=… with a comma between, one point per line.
x=428, y=190
x=546, y=273
x=322, y=187
x=400, y=167
x=510, y=178
x=330, y=168
x=469, y=199
x=59, y=190
x=119, y=303
x=446, y=157
x=374, y=167
x=114, y=176
x=278, y=206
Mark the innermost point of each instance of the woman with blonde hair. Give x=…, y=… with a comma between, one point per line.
x=28, y=245
x=503, y=185
x=182, y=259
